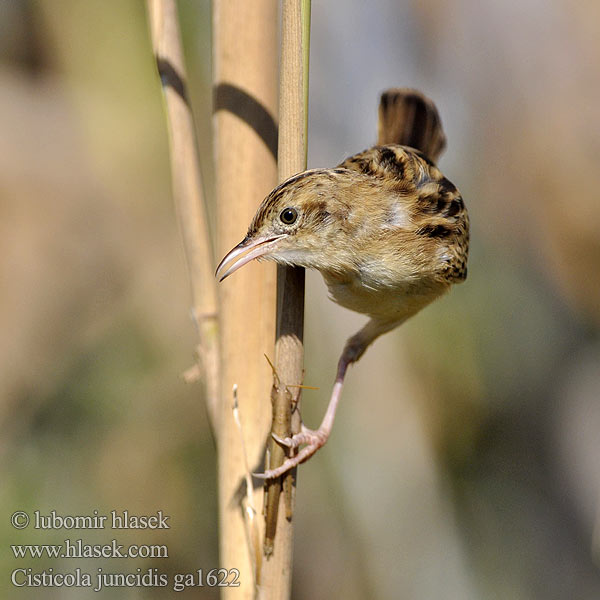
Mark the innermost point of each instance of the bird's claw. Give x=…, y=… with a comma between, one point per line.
x=305, y=436
x=286, y=441
x=313, y=439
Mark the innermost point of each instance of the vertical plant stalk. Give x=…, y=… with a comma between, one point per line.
x=289, y=351
x=245, y=133
x=187, y=191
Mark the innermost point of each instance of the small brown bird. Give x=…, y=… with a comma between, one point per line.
x=388, y=232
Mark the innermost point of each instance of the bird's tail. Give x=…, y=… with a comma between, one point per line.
x=409, y=118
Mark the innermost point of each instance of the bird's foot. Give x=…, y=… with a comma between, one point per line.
x=313, y=439
x=308, y=436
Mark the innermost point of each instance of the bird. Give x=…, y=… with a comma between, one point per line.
x=387, y=230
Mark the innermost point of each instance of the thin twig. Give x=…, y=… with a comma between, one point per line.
x=187, y=190
x=289, y=353
x=250, y=512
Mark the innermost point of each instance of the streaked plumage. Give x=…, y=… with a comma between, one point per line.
x=388, y=232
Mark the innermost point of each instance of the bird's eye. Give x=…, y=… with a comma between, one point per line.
x=288, y=216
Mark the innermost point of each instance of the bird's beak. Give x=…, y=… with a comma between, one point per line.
x=244, y=252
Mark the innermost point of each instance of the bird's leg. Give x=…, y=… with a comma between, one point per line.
x=314, y=439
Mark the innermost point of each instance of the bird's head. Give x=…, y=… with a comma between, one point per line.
x=295, y=224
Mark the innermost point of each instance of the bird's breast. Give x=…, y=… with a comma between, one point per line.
x=366, y=294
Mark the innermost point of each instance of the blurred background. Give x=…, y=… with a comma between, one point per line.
x=465, y=461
